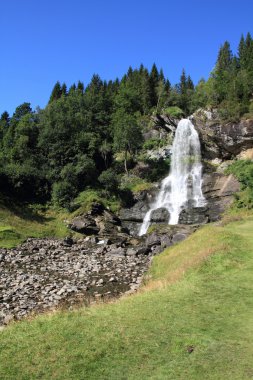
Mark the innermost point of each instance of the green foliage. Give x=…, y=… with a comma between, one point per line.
x=82, y=203
x=157, y=169
x=109, y=180
x=243, y=170
x=135, y=184
x=152, y=143
x=174, y=111
x=62, y=150
x=63, y=193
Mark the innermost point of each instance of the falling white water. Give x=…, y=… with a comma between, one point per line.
x=183, y=185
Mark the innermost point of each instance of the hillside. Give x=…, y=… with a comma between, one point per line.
x=193, y=316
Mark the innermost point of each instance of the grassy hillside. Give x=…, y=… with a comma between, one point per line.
x=192, y=320
x=18, y=222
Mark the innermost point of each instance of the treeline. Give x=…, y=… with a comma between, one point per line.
x=56, y=152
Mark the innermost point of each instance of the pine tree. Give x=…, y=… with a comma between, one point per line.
x=56, y=92
x=72, y=89
x=154, y=80
x=80, y=87
x=64, y=89
x=225, y=57
x=183, y=83
x=145, y=90
x=241, y=52
x=189, y=83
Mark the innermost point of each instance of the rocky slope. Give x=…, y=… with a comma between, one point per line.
x=43, y=274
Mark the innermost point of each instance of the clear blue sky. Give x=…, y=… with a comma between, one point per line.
x=43, y=41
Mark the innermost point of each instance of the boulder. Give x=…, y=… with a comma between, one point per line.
x=194, y=215
x=84, y=225
x=160, y=215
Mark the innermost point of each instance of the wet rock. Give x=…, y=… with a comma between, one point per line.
x=160, y=215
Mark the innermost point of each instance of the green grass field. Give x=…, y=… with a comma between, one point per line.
x=193, y=319
x=18, y=222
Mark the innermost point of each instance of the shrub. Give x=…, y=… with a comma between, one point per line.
x=243, y=170
x=152, y=143
x=109, y=180
x=174, y=112
x=63, y=193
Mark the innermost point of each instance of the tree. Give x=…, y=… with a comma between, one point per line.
x=225, y=57
x=80, y=87
x=64, y=89
x=109, y=180
x=4, y=122
x=105, y=149
x=56, y=92
x=154, y=81
x=127, y=134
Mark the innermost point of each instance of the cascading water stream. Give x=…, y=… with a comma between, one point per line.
x=183, y=186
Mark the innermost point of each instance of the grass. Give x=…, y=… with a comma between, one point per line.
x=193, y=319
x=18, y=222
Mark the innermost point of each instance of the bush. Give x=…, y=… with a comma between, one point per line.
x=243, y=170
x=63, y=193
x=109, y=180
x=152, y=143
x=174, y=112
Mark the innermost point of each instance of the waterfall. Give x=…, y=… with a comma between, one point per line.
x=183, y=186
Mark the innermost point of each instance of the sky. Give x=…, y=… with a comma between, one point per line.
x=43, y=41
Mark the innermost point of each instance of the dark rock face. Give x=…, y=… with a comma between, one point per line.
x=222, y=140
x=219, y=191
x=131, y=218
x=165, y=122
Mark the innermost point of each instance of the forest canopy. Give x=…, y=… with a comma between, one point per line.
x=56, y=152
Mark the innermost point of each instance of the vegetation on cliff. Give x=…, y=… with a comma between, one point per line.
x=74, y=144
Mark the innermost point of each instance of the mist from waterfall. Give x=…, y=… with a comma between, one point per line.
x=183, y=186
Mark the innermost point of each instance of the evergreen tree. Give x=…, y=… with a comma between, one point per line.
x=189, y=83
x=56, y=92
x=72, y=89
x=154, y=81
x=183, y=83
x=80, y=87
x=224, y=58
x=64, y=89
